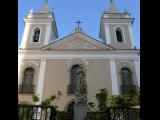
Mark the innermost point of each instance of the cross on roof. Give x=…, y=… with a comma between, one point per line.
x=78, y=22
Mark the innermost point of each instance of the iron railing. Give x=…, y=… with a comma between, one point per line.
x=36, y=112
x=39, y=112
x=26, y=88
x=116, y=113
x=123, y=113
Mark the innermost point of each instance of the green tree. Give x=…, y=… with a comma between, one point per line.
x=102, y=98
x=133, y=94
x=119, y=101
x=48, y=101
x=35, y=98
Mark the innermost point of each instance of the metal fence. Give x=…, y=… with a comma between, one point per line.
x=36, y=112
x=123, y=113
x=116, y=113
x=39, y=112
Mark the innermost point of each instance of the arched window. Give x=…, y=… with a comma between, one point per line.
x=126, y=76
x=119, y=35
x=73, y=74
x=126, y=80
x=73, y=77
x=36, y=34
x=27, y=85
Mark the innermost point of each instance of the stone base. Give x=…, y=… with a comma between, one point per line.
x=80, y=111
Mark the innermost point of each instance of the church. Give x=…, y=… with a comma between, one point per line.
x=47, y=64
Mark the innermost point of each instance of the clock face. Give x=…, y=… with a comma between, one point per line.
x=77, y=44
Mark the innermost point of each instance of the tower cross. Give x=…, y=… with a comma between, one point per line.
x=78, y=22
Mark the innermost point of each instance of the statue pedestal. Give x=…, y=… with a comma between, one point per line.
x=80, y=111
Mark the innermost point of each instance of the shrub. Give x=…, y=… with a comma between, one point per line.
x=119, y=101
x=35, y=98
x=102, y=98
x=49, y=100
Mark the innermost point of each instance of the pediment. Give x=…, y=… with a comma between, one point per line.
x=77, y=41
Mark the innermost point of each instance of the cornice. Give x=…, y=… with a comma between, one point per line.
x=117, y=54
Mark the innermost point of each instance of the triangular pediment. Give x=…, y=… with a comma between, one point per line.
x=77, y=41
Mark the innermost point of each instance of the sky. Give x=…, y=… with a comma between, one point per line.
x=89, y=12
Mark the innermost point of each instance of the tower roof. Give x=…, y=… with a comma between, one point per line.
x=113, y=8
x=44, y=8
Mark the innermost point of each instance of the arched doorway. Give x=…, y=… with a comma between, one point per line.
x=70, y=107
x=70, y=112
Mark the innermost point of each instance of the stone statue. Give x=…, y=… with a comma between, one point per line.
x=81, y=86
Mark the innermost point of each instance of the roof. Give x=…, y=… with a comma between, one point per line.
x=113, y=8
x=44, y=8
x=78, y=33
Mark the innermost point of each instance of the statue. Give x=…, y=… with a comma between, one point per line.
x=81, y=86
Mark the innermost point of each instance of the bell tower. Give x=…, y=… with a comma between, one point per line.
x=116, y=28
x=40, y=28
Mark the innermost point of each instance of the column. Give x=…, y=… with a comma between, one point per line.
x=25, y=35
x=132, y=37
x=47, y=34
x=114, y=77
x=137, y=67
x=19, y=66
x=41, y=79
x=107, y=34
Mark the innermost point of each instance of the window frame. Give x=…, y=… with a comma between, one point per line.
x=125, y=85
x=31, y=39
x=70, y=81
x=131, y=81
x=31, y=81
x=122, y=33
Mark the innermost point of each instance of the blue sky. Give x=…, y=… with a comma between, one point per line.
x=88, y=11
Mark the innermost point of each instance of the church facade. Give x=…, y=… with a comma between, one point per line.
x=47, y=64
